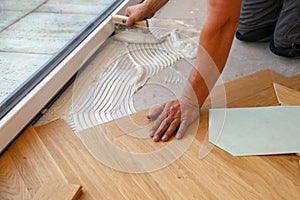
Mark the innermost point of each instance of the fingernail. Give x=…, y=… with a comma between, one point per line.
x=178, y=136
x=164, y=138
x=156, y=138
x=151, y=133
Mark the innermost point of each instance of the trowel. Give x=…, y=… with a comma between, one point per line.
x=158, y=28
x=121, y=20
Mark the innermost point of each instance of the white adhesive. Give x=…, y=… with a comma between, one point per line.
x=139, y=56
x=136, y=37
x=106, y=91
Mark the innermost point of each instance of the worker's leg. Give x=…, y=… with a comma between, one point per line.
x=286, y=41
x=258, y=19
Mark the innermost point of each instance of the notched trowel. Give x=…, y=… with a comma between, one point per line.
x=140, y=33
x=151, y=30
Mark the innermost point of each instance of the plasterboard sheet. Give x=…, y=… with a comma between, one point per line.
x=256, y=131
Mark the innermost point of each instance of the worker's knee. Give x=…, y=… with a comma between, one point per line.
x=279, y=23
x=286, y=38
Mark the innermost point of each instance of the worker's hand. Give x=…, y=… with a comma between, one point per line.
x=172, y=118
x=137, y=13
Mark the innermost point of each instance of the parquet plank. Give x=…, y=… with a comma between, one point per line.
x=58, y=191
x=287, y=96
x=217, y=175
x=12, y=185
x=250, y=91
x=98, y=180
x=292, y=82
x=33, y=161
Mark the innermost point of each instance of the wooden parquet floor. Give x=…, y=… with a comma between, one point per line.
x=53, y=153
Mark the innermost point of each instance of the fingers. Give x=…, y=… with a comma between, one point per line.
x=181, y=130
x=137, y=13
x=157, y=123
x=154, y=114
x=159, y=133
x=171, y=130
x=166, y=124
x=130, y=22
x=133, y=15
x=169, y=120
x=128, y=11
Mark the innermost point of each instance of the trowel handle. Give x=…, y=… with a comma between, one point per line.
x=120, y=19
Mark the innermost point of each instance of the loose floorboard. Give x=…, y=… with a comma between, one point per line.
x=287, y=96
x=250, y=91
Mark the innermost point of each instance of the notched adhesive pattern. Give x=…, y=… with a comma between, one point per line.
x=141, y=57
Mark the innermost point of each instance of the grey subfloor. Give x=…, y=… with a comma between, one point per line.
x=244, y=59
x=31, y=32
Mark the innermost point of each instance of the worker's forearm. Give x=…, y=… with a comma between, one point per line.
x=219, y=29
x=211, y=58
x=214, y=45
x=154, y=5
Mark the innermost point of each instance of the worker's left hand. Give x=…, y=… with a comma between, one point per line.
x=173, y=117
x=137, y=13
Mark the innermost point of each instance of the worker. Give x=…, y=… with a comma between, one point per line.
x=250, y=20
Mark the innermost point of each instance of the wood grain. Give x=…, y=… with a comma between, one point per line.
x=292, y=82
x=12, y=185
x=215, y=176
x=250, y=91
x=220, y=174
x=33, y=161
x=76, y=163
x=203, y=172
x=58, y=191
x=287, y=96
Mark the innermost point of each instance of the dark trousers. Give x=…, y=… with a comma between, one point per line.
x=277, y=18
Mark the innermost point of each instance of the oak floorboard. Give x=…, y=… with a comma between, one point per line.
x=287, y=96
x=98, y=180
x=12, y=185
x=33, y=161
x=219, y=174
x=292, y=82
x=58, y=191
x=201, y=172
x=254, y=90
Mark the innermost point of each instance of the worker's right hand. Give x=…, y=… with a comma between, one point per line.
x=137, y=13
x=173, y=118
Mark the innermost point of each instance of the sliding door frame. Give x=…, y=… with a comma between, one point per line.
x=62, y=68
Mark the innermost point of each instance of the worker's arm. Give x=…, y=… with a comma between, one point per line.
x=214, y=46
